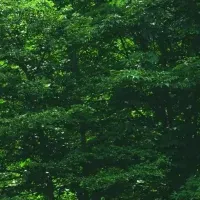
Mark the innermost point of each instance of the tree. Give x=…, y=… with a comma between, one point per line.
x=99, y=99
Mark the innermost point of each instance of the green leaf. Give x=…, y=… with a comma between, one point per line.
x=2, y=101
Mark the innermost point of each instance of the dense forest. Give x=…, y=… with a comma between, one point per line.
x=99, y=100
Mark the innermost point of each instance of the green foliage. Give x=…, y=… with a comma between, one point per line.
x=99, y=99
x=188, y=191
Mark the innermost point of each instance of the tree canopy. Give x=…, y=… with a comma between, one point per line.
x=99, y=100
